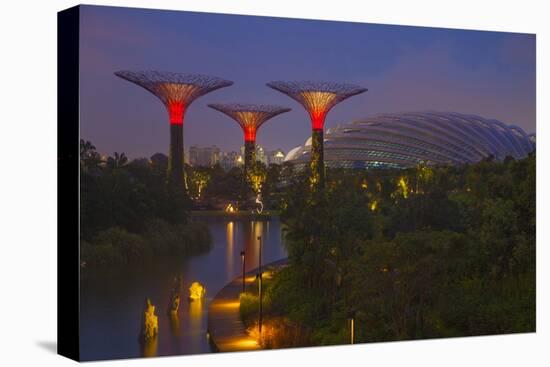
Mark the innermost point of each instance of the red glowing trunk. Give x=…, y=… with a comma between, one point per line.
x=176, y=174
x=317, y=119
x=249, y=133
x=176, y=110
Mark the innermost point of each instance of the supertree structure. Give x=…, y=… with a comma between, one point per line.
x=317, y=98
x=176, y=91
x=250, y=117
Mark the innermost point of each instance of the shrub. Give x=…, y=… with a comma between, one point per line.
x=116, y=246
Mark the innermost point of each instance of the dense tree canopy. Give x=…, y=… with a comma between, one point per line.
x=421, y=253
x=127, y=206
x=417, y=253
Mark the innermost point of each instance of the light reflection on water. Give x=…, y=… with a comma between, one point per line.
x=229, y=252
x=111, y=301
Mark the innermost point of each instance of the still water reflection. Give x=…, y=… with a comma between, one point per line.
x=111, y=301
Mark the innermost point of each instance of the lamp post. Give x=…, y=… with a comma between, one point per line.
x=260, y=255
x=259, y=276
x=243, y=254
x=260, y=286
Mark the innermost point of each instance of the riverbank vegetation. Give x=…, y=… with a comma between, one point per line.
x=278, y=331
x=129, y=214
x=420, y=253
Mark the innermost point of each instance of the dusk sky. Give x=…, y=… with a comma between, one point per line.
x=490, y=74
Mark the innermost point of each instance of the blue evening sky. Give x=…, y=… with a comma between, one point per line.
x=491, y=74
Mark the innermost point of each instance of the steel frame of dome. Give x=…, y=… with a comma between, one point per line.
x=402, y=140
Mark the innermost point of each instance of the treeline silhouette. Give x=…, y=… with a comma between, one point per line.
x=129, y=214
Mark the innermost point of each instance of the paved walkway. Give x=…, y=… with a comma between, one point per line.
x=226, y=330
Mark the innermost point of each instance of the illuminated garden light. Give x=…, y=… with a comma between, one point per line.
x=200, y=179
x=352, y=315
x=352, y=331
x=176, y=91
x=403, y=187
x=317, y=98
x=250, y=117
x=373, y=205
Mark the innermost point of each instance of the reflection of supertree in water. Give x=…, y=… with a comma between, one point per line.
x=250, y=117
x=317, y=98
x=176, y=91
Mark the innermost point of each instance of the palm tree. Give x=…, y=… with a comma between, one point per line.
x=89, y=157
x=86, y=147
x=118, y=161
x=200, y=178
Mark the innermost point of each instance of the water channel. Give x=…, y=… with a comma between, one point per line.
x=111, y=301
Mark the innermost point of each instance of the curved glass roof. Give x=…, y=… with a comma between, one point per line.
x=402, y=140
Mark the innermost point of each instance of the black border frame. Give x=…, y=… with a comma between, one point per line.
x=68, y=183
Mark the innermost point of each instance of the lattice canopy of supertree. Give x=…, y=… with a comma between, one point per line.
x=318, y=98
x=176, y=91
x=250, y=117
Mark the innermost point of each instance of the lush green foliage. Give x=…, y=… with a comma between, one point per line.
x=129, y=212
x=216, y=185
x=116, y=246
x=277, y=330
x=422, y=253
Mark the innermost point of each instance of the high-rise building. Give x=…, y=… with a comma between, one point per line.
x=204, y=156
x=259, y=154
x=229, y=160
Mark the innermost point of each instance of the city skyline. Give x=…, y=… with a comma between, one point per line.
x=491, y=74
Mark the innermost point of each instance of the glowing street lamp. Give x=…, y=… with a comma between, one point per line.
x=352, y=326
x=259, y=276
x=259, y=238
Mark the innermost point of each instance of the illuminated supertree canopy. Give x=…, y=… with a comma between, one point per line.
x=317, y=98
x=176, y=90
x=250, y=117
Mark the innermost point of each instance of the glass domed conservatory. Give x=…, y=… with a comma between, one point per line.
x=403, y=140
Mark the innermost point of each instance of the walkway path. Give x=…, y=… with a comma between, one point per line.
x=226, y=330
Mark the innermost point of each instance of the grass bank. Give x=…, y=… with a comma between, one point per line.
x=116, y=246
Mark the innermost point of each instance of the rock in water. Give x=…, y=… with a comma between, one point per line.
x=175, y=304
x=196, y=291
x=150, y=322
